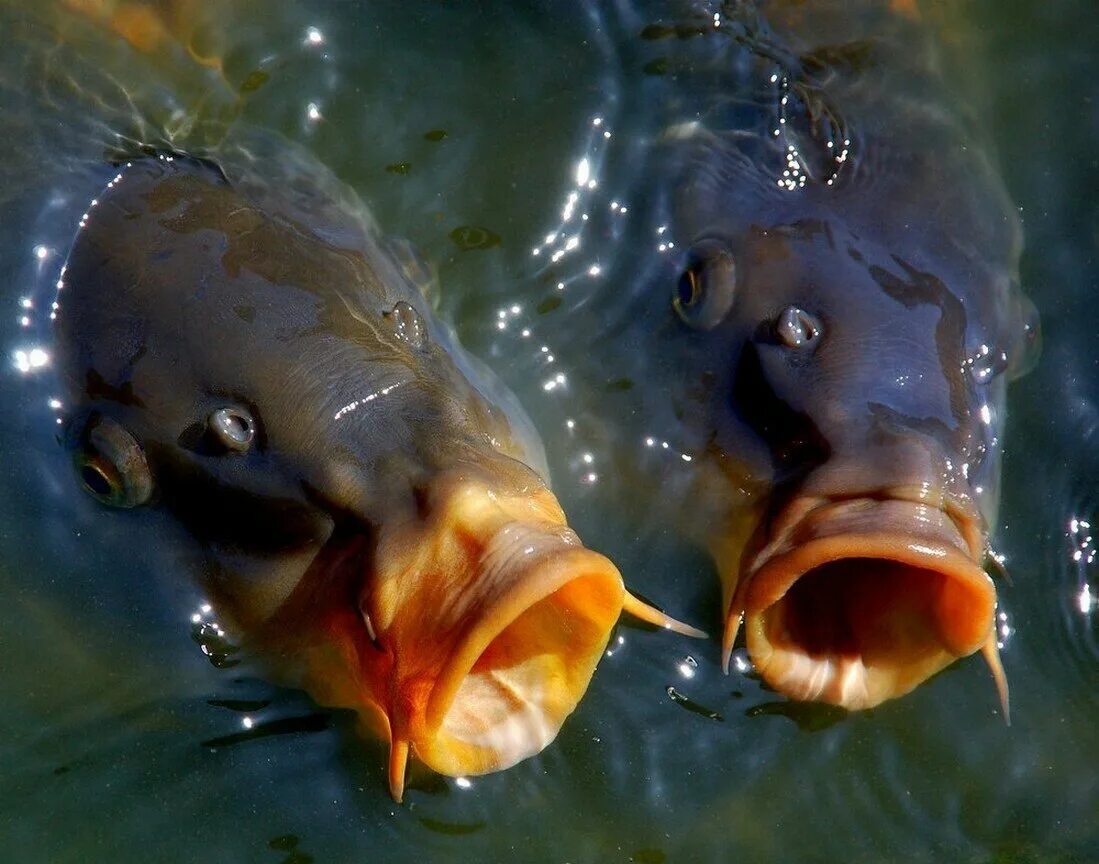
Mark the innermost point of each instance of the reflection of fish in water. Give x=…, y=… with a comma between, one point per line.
x=262, y=365
x=154, y=27
x=849, y=303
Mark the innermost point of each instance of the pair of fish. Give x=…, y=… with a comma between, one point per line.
x=374, y=505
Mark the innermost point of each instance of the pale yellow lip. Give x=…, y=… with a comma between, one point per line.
x=856, y=601
x=522, y=666
x=492, y=617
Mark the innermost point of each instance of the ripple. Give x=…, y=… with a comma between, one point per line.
x=666, y=759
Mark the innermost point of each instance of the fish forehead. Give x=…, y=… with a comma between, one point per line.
x=861, y=287
x=175, y=201
x=209, y=298
x=179, y=289
x=892, y=334
x=903, y=312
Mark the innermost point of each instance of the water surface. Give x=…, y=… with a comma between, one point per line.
x=478, y=133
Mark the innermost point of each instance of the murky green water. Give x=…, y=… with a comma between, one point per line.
x=460, y=124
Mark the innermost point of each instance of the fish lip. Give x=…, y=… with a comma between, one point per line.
x=524, y=593
x=523, y=562
x=541, y=579
x=800, y=542
x=960, y=508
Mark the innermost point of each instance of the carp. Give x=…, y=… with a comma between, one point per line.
x=255, y=357
x=846, y=311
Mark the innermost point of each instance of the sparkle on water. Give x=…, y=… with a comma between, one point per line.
x=106, y=681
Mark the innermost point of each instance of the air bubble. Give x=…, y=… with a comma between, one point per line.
x=408, y=324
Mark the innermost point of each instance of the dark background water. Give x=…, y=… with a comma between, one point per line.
x=120, y=741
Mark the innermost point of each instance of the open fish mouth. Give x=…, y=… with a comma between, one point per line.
x=475, y=630
x=856, y=601
x=507, y=659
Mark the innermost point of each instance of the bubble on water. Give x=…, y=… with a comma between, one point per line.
x=474, y=237
x=1082, y=556
x=211, y=639
x=985, y=363
x=688, y=704
x=1004, y=630
x=688, y=667
x=408, y=324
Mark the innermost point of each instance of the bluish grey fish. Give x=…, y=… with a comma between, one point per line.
x=255, y=357
x=849, y=312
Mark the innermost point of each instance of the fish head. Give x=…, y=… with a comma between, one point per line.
x=862, y=383
x=368, y=520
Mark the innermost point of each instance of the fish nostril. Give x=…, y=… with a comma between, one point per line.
x=233, y=428
x=796, y=328
x=98, y=483
x=687, y=289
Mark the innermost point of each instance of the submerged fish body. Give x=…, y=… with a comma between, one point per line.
x=253, y=356
x=849, y=310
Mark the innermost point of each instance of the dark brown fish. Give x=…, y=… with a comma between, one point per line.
x=254, y=357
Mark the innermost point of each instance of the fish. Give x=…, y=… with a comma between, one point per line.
x=843, y=313
x=241, y=347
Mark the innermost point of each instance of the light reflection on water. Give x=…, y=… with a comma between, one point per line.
x=106, y=686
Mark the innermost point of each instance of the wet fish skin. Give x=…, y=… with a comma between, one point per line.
x=855, y=320
x=261, y=366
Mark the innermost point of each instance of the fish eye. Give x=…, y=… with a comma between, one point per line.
x=796, y=328
x=705, y=289
x=233, y=428
x=112, y=466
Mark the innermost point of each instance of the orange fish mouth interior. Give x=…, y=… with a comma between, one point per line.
x=881, y=611
x=531, y=662
x=476, y=628
x=491, y=617
x=859, y=601
x=491, y=643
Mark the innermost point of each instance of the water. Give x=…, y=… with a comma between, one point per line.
x=122, y=741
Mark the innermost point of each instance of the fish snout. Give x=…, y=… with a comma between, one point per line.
x=485, y=619
x=859, y=599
